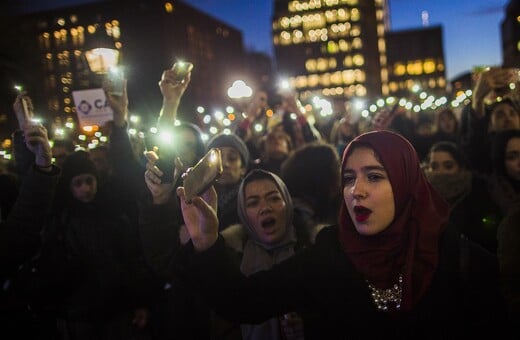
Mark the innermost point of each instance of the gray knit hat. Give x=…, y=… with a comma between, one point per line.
x=233, y=141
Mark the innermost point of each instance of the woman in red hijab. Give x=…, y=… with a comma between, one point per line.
x=391, y=269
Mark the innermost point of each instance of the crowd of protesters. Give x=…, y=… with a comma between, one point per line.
x=99, y=244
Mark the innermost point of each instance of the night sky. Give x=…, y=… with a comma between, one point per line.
x=471, y=28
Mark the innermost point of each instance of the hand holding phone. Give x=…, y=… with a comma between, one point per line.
x=117, y=77
x=181, y=69
x=203, y=175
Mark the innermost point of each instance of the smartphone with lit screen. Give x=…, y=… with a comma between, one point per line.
x=181, y=69
x=117, y=77
x=203, y=175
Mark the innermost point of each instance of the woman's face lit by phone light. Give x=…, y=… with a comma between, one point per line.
x=266, y=210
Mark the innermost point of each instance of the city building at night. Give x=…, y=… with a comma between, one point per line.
x=416, y=61
x=46, y=52
x=332, y=48
x=510, y=30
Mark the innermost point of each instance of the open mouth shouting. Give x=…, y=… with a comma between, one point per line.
x=361, y=214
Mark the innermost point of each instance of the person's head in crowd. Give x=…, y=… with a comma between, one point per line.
x=235, y=157
x=61, y=148
x=504, y=114
x=312, y=173
x=446, y=122
x=446, y=168
x=188, y=143
x=445, y=158
x=79, y=177
x=100, y=155
x=265, y=209
x=506, y=156
x=391, y=216
x=276, y=144
x=424, y=125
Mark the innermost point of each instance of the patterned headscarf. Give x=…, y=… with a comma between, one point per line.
x=410, y=245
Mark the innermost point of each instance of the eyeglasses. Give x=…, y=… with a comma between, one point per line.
x=78, y=182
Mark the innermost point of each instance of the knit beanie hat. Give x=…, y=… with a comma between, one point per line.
x=76, y=164
x=233, y=141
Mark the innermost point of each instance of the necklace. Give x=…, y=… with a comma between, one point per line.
x=383, y=297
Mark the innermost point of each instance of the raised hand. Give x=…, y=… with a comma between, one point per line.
x=488, y=86
x=37, y=142
x=200, y=218
x=23, y=108
x=172, y=91
x=161, y=192
x=118, y=103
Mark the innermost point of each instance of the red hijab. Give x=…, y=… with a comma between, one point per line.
x=410, y=245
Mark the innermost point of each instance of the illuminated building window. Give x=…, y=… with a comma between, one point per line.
x=285, y=38
x=66, y=89
x=332, y=47
x=61, y=22
x=168, y=7
x=325, y=79
x=66, y=109
x=332, y=63
x=414, y=68
x=354, y=14
x=355, y=31
x=440, y=67
x=347, y=61
x=296, y=21
x=393, y=86
x=358, y=60
x=91, y=29
x=276, y=40
x=352, y=2
x=429, y=66
x=380, y=30
x=285, y=22
x=116, y=32
x=313, y=80
x=67, y=101
x=360, y=76
x=442, y=82
x=331, y=16
x=382, y=60
x=380, y=15
x=336, y=78
x=342, y=15
x=301, y=81
x=357, y=43
x=297, y=36
x=361, y=90
x=310, y=65
x=384, y=75
x=348, y=77
x=74, y=18
x=399, y=69
x=384, y=90
x=381, y=45
x=343, y=45
x=322, y=64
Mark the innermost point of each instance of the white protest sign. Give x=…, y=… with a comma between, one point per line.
x=92, y=107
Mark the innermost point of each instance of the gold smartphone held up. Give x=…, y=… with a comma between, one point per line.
x=181, y=69
x=203, y=175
